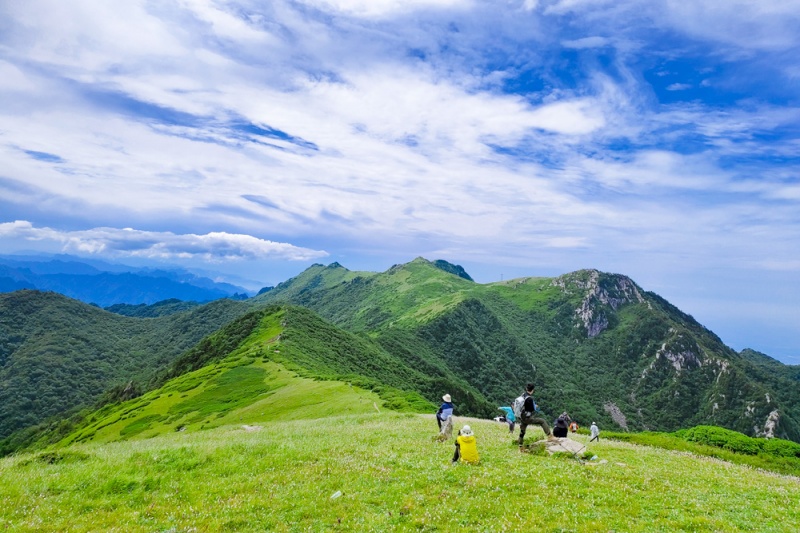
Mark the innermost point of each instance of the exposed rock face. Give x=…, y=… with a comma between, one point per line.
x=616, y=415
x=770, y=425
x=679, y=359
x=603, y=291
x=722, y=367
x=682, y=353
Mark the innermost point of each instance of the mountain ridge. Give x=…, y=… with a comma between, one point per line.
x=596, y=344
x=658, y=367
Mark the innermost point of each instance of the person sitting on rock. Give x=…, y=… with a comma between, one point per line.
x=466, y=447
x=561, y=425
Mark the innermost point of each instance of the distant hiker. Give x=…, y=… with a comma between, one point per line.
x=509, y=418
x=444, y=417
x=527, y=409
x=573, y=427
x=561, y=424
x=466, y=447
x=595, y=431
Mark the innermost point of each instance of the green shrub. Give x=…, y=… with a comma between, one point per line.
x=781, y=448
x=724, y=438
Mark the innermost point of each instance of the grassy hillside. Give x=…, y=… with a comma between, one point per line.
x=245, y=368
x=380, y=472
x=58, y=354
x=361, y=301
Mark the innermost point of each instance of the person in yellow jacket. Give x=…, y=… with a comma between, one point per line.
x=466, y=447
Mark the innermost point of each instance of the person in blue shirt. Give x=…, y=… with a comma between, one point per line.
x=445, y=411
x=510, y=418
x=444, y=417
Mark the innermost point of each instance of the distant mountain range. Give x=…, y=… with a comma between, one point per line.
x=596, y=344
x=105, y=284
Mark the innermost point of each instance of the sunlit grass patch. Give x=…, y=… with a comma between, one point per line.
x=382, y=472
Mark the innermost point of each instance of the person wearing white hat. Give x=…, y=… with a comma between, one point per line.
x=466, y=447
x=444, y=417
x=445, y=411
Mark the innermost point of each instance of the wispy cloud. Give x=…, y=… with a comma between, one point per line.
x=127, y=242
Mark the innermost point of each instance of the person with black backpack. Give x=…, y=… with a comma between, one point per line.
x=528, y=414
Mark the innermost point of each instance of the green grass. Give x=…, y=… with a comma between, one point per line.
x=392, y=477
x=221, y=394
x=775, y=455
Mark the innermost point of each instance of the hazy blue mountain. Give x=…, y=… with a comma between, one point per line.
x=105, y=284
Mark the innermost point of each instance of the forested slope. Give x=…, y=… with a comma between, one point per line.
x=57, y=353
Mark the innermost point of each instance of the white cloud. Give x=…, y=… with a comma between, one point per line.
x=381, y=8
x=767, y=24
x=586, y=42
x=560, y=7
x=530, y=5
x=678, y=87
x=128, y=242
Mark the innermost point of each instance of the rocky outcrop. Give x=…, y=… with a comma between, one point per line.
x=770, y=425
x=682, y=353
x=616, y=415
x=601, y=293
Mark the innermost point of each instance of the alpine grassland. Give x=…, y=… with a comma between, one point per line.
x=282, y=421
x=380, y=471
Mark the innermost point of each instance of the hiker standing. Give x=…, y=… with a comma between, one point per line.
x=510, y=419
x=445, y=410
x=444, y=417
x=573, y=427
x=595, y=431
x=528, y=415
x=561, y=424
x=466, y=447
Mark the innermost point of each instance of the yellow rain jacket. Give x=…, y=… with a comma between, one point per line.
x=469, y=448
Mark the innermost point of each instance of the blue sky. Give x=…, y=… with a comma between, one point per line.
x=657, y=139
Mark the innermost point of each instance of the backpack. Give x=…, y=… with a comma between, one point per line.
x=517, y=406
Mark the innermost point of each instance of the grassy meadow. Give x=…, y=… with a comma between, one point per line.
x=379, y=472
